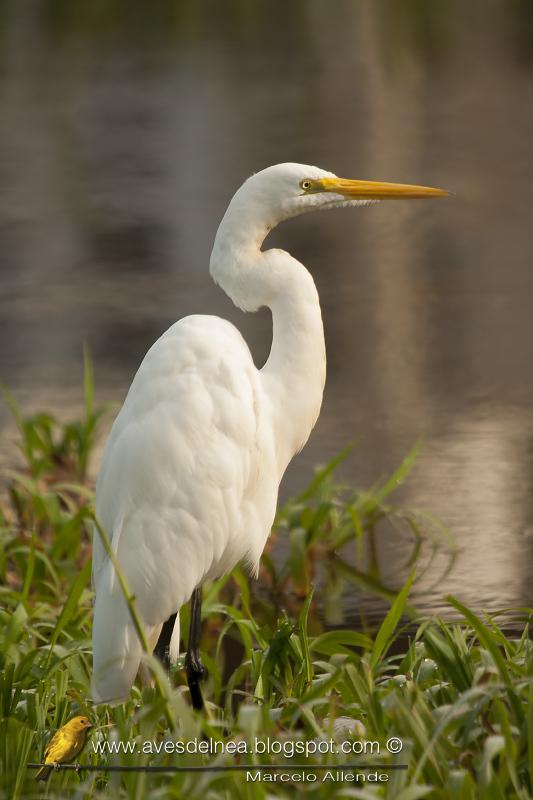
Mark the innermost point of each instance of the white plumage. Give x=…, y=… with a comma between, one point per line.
x=189, y=478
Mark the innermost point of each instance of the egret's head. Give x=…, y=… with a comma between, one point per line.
x=287, y=190
x=271, y=196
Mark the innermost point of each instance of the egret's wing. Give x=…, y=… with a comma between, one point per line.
x=179, y=465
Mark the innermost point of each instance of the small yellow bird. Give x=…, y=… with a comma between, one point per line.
x=65, y=744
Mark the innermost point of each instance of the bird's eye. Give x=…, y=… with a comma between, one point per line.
x=305, y=185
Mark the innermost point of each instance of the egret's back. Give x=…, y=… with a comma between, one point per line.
x=187, y=486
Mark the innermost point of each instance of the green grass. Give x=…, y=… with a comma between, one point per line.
x=458, y=694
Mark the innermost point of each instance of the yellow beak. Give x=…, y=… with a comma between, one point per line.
x=376, y=190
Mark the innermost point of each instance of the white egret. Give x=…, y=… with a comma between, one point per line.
x=189, y=479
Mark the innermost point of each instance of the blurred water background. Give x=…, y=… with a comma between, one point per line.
x=125, y=128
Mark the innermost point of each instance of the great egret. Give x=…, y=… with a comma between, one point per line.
x=189, y=479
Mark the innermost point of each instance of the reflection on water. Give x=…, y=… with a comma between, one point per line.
x=123, y=137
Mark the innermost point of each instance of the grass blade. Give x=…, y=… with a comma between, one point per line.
x=389, y=624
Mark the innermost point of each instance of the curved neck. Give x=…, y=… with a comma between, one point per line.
x=294, y=374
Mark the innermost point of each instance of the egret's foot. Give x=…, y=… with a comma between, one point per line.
x=196, y=673
x=194, y=666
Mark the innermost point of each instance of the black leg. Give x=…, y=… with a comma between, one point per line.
x=161, y=650
x=196, y=672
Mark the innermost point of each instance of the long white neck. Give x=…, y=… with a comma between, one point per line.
x=295, y=371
